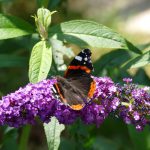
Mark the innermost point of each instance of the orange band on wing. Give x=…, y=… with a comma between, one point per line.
x=87, y=70
x=77, y=107
x=61, y=96
x=92, y=89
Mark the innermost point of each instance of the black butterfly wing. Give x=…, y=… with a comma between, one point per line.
x=70, y=94
x=75, y=91
x=77, y=87
x=82, y=82
x=80, y=64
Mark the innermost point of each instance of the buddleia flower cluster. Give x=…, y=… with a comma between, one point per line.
x=135, y=104
x=37, y=101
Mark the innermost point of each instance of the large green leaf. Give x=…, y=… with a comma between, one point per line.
x=11, y=26
x=53, y=131
x=83, y=33
x=40, y=61
x=138, y=61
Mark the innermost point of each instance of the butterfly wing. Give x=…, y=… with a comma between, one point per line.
x=80, y=64
x=75, y=92
x=83, y=83
x=77, y=88
x=70, y=94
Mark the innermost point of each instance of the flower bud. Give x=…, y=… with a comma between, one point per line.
x=43, y=20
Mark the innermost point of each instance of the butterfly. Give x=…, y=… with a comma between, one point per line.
x=77, y=86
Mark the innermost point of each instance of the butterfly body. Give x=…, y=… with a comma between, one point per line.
x=77, y=86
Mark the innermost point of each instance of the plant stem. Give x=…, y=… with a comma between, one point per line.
x=24, y=137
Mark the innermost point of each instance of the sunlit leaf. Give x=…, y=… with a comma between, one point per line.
x=83, y=33
x=144, y=46
x=138, y=61
x=40, y=61
x=11, y=26
x=53, y=131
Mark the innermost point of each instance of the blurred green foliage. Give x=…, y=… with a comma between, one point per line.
x=14, y=58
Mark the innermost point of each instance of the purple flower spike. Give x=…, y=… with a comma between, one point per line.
x=134, y=105
x=93, y=114
x=38, y=100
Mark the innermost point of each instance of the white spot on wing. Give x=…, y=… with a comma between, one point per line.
x=78, y=58
x=85, y=59
x=54, y=90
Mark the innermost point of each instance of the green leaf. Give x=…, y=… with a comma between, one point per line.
x=110, y=60
x=9, y=140
x=40, y=61
x=12, y=61
x=144, y=46
x=141, y=77
x=138, y=61
x=53, y=131
x=141, y=140
x=83, y=33
x=11, y=26
x=133, y=48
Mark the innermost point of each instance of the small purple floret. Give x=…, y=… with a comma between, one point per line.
x=127, y=80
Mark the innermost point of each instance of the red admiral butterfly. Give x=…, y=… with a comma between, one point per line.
x=77, y=87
